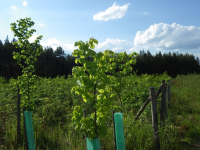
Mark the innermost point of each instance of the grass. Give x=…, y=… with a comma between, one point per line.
x=182, y=131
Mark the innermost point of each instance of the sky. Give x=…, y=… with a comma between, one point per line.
x=118, y=25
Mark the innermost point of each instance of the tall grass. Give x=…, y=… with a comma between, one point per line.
x=52, y=129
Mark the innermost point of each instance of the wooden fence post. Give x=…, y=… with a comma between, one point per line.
x=163, y=108
x=148, y=100
x=154, y=117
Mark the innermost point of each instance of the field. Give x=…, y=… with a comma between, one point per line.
x=52, y=117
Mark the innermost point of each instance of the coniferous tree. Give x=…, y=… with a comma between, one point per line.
x=52, y=63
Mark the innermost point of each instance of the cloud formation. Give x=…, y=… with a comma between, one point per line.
x=24, y=3
x=169, y=37
x=33, y=38
x=115, y=45
x=114, y=12
x=13, y=7
x=41, y=25
x=159, y=36
x=54, y=43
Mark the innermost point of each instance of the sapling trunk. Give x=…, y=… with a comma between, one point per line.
x=95, y=112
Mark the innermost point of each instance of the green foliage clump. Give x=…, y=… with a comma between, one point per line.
x=29, y=52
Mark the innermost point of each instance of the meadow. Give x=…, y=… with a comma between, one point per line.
x=55, y=102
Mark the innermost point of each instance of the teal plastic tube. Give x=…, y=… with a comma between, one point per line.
x=119, y=131
x=93, y=144
x=29, y=130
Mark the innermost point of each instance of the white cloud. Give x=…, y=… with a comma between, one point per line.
x=115, y=45
x=145, y=13
x=33, y=38
x=54, y=43
x=160, y=37
x=169, y=37
x=24, y=3
x=13, y=7
x=41, y=25
x=51, y=42
x=114, y=12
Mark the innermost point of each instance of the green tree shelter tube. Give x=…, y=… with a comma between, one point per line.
x=93, y=144
x=119, y=131
x=29, y=130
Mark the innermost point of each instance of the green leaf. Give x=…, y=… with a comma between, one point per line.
x=107, y=88
x=27, y=78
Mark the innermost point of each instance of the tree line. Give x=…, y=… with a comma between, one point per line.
x=53, y=63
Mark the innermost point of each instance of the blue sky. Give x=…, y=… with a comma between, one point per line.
x=126, y=25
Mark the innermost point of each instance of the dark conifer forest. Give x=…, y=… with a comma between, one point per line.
x=56, y=63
